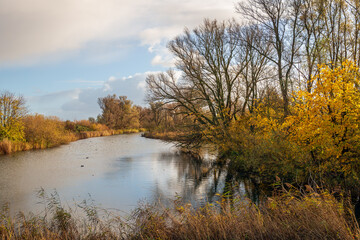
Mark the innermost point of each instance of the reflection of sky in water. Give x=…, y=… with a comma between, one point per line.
x=118, y=172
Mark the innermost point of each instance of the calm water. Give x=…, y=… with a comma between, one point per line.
x=117, y=171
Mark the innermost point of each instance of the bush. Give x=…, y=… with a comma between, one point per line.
x=43, y=132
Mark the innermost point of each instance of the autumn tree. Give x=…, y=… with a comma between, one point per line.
x=118, y=112
x=325, y=122
x=12, y=111
x=151, y=117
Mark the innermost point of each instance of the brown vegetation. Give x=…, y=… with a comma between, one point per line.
x=41, y=132
x=314, y=216
x=289, y=215
x=44, y=132
x=8, y=146
x=118, y=112
x=167, y=136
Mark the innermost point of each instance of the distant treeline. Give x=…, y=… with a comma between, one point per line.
x=21, y=131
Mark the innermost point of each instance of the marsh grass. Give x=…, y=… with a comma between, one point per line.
x=52, y=138
x=287, y=215
x=167, y=135
x=109, y=132
x=8, y=146
x=42, y=132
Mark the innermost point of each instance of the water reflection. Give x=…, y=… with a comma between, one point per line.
x=196, y=182
x=118, y=172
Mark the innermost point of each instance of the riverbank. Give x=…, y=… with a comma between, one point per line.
x=8, y=146
x=166, y=136
x=308, y=215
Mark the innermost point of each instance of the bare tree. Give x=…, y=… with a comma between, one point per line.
x=210, y=62
x=354, y=9
x=279, y=22
x=257, y=70
x=312, y=49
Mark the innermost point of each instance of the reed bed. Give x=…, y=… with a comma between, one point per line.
x=53, y=140
x=314, y=216
x=90, y=134
x=167, y=136
x=7, y=146
x=285, y=216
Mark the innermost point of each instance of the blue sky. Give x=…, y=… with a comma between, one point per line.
x=63, y=55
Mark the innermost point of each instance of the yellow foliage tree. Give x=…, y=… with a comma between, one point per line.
x=12, y=111
x=326, y=121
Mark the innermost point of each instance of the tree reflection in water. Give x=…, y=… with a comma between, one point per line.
x=204, y=180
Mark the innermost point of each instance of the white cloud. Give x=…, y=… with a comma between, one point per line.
x=41, y=29
x=154, y=36
x=82, y=103
x=141, y=85
x=174, y=18
x=87, y=82
x=165, y=60
x=112, y=78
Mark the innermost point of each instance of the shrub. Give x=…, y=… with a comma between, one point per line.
x=42, y=132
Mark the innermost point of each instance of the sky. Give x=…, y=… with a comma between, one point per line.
x=62, y=55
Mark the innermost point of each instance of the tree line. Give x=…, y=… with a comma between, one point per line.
x=20, y=130
x=229, y=68
x=117, y=113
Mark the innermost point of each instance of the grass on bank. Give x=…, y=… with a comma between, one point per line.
x=285, y=216
x=39, y=132
x=8, y=146
x=164, y=135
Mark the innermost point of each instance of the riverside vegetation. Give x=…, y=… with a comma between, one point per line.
x=278, y=96
x=20, y=131
x=292, y=214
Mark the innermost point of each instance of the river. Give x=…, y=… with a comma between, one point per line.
x=116, y=172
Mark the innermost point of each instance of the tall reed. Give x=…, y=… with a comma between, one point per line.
x=285, y=216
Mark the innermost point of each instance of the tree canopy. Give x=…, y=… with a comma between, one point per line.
x=118, y=112
x=12, y=111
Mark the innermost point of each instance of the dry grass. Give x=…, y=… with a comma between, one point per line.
x=45, y=132
x=167, y=136
x=90, y=134
x=287, y=216
x=314, y=216
x=7, y=146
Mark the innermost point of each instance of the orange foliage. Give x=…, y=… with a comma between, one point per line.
x=41, y=131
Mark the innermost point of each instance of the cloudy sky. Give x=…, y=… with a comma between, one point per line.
x=61, y=55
